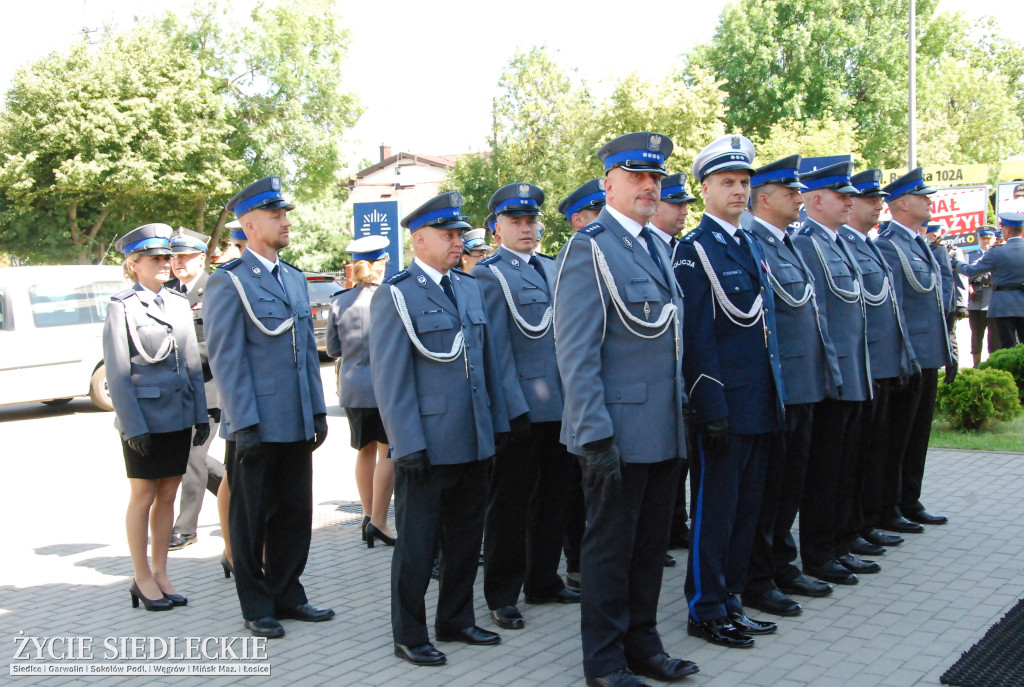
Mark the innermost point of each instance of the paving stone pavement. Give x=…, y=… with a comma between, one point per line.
x=937, y=595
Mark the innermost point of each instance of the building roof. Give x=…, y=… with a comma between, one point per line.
x=443, y=161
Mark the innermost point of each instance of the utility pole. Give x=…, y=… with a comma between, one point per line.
x=912, y=90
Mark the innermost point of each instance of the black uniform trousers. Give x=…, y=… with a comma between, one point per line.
x=270, y=521
x=978, y=319
x=726, y=493
x=575, y=518
x=447, y=507
x=622, y=563
x=1010, y=330
x=879, y=463
x=526, y=517
x=912, y=467
x=831, y=479
x=204, y=472
x=774, y=551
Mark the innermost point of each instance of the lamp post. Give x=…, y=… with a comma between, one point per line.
x=912, y=89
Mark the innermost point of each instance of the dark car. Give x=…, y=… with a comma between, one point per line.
x=322, y=288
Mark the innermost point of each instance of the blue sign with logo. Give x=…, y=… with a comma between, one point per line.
x=381, y=219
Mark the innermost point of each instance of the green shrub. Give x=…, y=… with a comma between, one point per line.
x=978, y=398
x=1011, y=360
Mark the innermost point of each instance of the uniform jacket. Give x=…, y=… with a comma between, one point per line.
x=809, y=364
x=1006, y=263
x=923, y=313
x=532, y=359
x=733, y=371
x=164, y=396
x=348, y=338
x=450, y=409
x=273, y=381
x=618, y=384
x=981, y=284
x=941, y=256
x=888, y=342
x=195, y=302
x=845, y=322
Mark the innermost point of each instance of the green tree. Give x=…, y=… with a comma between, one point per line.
x=809, y=138
x=320, y=234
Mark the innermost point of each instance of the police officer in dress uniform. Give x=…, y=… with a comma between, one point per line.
x=1006, y=263
x=832, y=465
x=668, y=223
x=474, y=248
x=954, y=297
x=532, y=471
x=918, y=284
x=617, y=337
x=893, y=363
x=736, y=392
x=433, y=359
x=809, y=368
x=260, y=332
x=188, y=263
x=582, y=206
x=980, y=287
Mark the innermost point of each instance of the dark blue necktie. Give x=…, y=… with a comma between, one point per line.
x=648, y=238
x=535, y=261
x=446, y=284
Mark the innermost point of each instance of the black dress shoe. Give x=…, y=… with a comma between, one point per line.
x=180, y=541
x=773, y=601
x=562, y=596
x=362, y=526
x=306, y=613
x=670, y=561
x=420, y=655
x=749, y=626
x=862, y=547
x=470, y=635
x=265, y=627
x=161, y=604
x=923, y=517
x=620, y=678
x=508, y=617
x=177, y=599
x=880, y=538
x=373, y=532
x=856, y=565
x=572, y=581
x=901, y=525
x=831, y=571
x=719, y=631
x=805, y=586
x=661, y=667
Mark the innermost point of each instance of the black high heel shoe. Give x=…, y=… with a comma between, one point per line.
x=373, y=533
x=177, y=599
x=226, y=564
x=161, y=604
x=362, y=526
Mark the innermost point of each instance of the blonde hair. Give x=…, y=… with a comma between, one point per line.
x=369, y=272
x=129, y=273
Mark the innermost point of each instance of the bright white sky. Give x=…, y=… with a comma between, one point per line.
x=426, y=72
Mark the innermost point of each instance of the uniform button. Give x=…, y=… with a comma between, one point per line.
x=618, y=397
x=771, y=356
x=735, y=288
x=474, y=389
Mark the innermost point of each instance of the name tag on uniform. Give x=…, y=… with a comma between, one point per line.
x=431, y=312
x=639, y=281
x=268, y=300
x=785, y=264
x=732, y=273
x=835, y=259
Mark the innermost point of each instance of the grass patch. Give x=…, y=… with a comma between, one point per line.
x=1005, y=436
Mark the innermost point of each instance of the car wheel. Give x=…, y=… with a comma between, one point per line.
x=99, y=394
x=56, y=401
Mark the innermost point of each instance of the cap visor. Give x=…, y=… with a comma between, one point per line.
x=633, y=166
x=156, y=250
x=185, y=249
x=923, y=192
x=520, y=211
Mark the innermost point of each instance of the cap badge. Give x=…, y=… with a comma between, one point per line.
x=877, y=176
x=600, y=184
x=625, y=240
x=421, y=279
x=257, y=271
x=453, y=200
x=514, y=262
x=654, y=143
x=524, y=190
x=735, y=142
x=275, y=183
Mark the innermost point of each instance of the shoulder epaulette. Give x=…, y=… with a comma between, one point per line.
x=464, y=274
x=489, y=260
x=177, y=293
x=544, y=255
x=691, y=236
x=127, y=293
x=592, y=229
x=231, y=264
x=341, y=292
x=290, y=265
x=397, y=277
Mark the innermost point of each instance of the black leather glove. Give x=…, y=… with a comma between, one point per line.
x=319, y=430
x=961, y=312
x=604, y=471
x=202, y=434
x=414, y=466
x=716, y=437
x=915, y=370
x=951, y=371
x=142, y=444
x=520, y=428
x=247, y=444
x=215, y=414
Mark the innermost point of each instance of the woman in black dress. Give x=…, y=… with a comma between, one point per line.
x=156, y=384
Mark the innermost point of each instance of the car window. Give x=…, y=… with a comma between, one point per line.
x=54, y=305
x=323, y=291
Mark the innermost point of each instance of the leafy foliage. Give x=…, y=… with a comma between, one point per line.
x=978, y=398
x=1010, y=360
